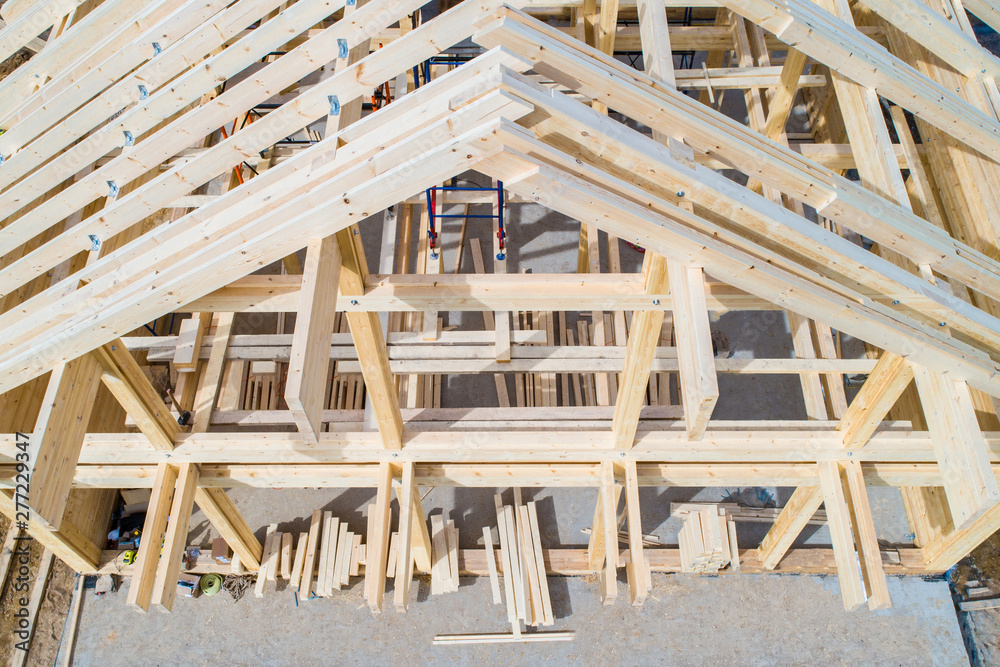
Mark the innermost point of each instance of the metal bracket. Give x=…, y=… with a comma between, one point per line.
x=334, y=105
x=341, y=48
x=95, y=243
x=143, y=93
x=112, y=189
x=129, y=139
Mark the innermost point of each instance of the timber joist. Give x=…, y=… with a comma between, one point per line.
x=228, y=159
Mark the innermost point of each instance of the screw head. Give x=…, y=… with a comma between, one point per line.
x=895, y=302
x=656, y=302
x=354, y=302
x=941, y=324
x=680, y=193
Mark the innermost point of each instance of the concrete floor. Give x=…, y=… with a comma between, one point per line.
x=688, y=620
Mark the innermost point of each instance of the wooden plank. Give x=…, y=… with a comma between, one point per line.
x=189, y=340
x=310, y=356
x=407, y=514
x=959, y=446
x=852, y=587
x=420, y=539
x=535, y=613
x=286, y=556
x=638, y=572
x=300, y=560
x=227, y=520
x=309, y=566
x=141, y=588
x=261, y=582
x=324, y=553
x=451, y=537
x=58, y=437
x=175, y=538
x=491, y=563
x=507, y=563
x=609, y=503
x=440, y=569
x=378, y=539
x=331, y=562
x=793, y=518
x=536, y=542
x=275, y=555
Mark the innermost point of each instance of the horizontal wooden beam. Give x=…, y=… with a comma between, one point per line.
x=469, y=292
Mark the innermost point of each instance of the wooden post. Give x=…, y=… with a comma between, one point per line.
x=141, y=588
x=310, y=357
x=175, y=538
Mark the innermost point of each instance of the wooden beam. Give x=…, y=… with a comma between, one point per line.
x=366, y=330
x=699, y=384
x=865, y=539
x=141, y=587
x=643, y=338
x=838, y=516
x=638, y=571
x=794, y=516
x=175, y=538
x=310, y=360
x=58, y=438
x=959, y=446
x=69, y=543
x=232, y=527
x=420, y=537
x=805, y=26
x=780, y=104
x=211, y=375
x=608, y=505
x=884, y=385
x=125, y=380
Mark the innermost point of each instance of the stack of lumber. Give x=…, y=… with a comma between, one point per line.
x=324, y=557
x=707, y=539
x=522, y=564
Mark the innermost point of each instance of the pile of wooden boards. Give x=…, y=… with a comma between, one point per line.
x=522, y=563
x=326, y=556
x=707, y=538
